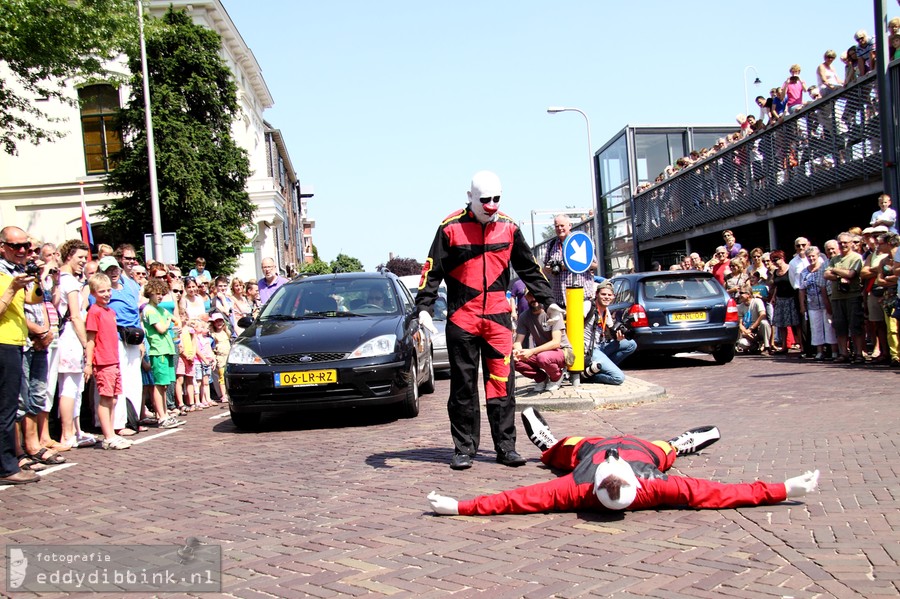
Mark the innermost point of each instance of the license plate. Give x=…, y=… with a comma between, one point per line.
x=305, y=377
x=687, y=316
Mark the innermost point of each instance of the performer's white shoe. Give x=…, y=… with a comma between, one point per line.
x=537, y=429
x=695, y=439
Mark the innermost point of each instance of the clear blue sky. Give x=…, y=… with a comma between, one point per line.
x=389, y=107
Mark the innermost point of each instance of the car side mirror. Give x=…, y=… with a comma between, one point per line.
x=244, y=322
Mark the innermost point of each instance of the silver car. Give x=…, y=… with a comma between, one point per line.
x=440, y=357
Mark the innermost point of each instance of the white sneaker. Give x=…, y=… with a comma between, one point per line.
x=694, y=440
x=116, y=442
x=537, y=429
x=554, y=385
x=539, y=387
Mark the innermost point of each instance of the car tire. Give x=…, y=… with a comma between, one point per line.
x=427, y=387
x=246, y=420
x=409, y=406
x=723, y=354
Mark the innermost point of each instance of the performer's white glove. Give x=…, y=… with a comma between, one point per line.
x=554, y=314
x=426, y=321
x=444, y=506
x=801, y=485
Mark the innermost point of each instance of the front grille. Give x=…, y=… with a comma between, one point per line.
x=310, y=358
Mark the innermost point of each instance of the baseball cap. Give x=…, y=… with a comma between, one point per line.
x=107, y=262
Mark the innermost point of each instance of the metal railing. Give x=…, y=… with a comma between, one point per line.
x=831, y=143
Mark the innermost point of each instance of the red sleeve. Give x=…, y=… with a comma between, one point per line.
x=92, y=321
x=681, y=491
x=559, y=494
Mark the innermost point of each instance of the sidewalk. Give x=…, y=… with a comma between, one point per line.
x=586, y=396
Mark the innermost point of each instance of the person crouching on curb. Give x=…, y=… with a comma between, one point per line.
x=621, y=473
x=544, y=363
x=102, y=358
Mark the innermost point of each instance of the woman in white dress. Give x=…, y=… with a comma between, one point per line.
x=72, y=341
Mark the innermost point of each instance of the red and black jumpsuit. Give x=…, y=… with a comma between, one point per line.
x=580, y=457
x=473, y=259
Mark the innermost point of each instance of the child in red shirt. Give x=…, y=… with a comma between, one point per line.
x=102, y=358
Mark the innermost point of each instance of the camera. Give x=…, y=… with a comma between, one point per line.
x=619, y=327
x=555, y=266
x=32, y=269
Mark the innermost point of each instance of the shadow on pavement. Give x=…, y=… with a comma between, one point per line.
x=314, y=420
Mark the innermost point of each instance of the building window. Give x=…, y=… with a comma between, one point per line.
x=102, y=140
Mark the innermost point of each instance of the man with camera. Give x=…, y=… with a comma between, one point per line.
x=14, y=294
x=605, y=341
x=554, y=267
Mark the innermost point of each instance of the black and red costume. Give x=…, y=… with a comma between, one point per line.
x=580, y=456
x=473, y=259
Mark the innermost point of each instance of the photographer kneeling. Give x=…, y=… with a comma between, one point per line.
x=605, y=341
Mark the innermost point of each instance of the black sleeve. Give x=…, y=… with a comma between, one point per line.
x=433, y=272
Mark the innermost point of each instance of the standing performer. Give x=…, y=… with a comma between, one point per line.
x=472, y=251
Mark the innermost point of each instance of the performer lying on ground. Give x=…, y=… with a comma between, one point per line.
x=619, y=473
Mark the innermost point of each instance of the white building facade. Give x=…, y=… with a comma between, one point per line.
x=42, y=187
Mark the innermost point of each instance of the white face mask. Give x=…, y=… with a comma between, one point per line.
x=485, y=184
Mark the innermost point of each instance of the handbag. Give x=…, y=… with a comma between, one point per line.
x=131, y=335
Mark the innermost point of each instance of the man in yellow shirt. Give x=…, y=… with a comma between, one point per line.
x=14, y=247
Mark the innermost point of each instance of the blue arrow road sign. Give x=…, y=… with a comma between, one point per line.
x=578, y=252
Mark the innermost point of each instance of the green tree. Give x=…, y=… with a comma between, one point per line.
x=44, y=44
x=403, y=266
x=202, y=173
x=316, y=267
x=344, y=263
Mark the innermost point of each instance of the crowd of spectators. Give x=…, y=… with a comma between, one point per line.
x=836, y=302
x=794, y=94
x=110, y=346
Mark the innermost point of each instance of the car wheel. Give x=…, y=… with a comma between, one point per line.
x=428, y=386
x=245, y=420
x=723, y=354
x=409, y=406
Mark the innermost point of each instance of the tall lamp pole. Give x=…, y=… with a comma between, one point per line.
x=755, y=82
x=598, y=234
x=886, y=110
x=151, y=151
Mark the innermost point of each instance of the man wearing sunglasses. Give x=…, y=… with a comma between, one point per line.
x=472, y=252
x=14, y=249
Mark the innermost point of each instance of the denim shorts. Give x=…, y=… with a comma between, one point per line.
x=33, y=397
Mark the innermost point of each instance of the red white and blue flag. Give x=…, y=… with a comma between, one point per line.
x=87, y=235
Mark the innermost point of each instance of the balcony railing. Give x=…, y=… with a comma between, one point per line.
x=831, y=143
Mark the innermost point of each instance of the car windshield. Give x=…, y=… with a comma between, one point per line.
x=687, y=287
x=337, y=297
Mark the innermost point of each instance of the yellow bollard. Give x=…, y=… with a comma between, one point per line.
x=575, y=325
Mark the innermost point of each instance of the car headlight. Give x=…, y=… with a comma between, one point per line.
x=379, y=346
x=241, y=354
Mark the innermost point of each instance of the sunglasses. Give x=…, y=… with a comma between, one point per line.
x=18, y=246
x=494, y=199
x=178, y=291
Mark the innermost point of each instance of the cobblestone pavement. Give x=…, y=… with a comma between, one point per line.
x=334, y=506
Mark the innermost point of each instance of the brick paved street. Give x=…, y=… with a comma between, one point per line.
x=335, y=506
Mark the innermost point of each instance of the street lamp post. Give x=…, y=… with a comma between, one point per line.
x=755, y=82
x=151, y=151
x=598, y=236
